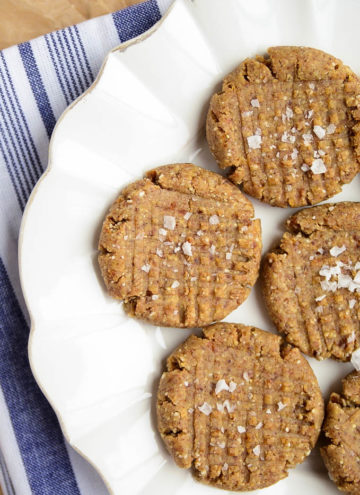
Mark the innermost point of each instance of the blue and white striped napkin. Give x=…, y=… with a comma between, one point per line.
x=38, y=80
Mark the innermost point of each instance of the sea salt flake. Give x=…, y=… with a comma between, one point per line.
x=320, y=298
x=336, y=251
x=352, y=303
x=254, y=142
x=175, y=284
x=220, y=386
x=154, y=297
x=321, y=152
x=228, y=256
x=331, y=128
x=214, y=220
x=159, y=252
x=311, y=85
x=140, y=235
x=187, y=215
x=246, y=376
x=351, y=338
x=232, y=386
x=169, y=222
x=318, y=166
x=307, y=137
x=289, y=113
x=304, y=167
x=199, y=233
x=255, y=103
x=186, y=247
x=247, y=114
x=320, y=251
x=141, y=194
x=294, y=154
x=319, y=309
x=319, y=131
x=228, y=406
x=205, y=409
x=281, y=405
x=222, y=445
x=193, y=279
x=309, y=114
x=357, y=265
x=176, y=249
x=355, y=359
x=241, y=429
x=268, y=411
x=225, y=466
x=257, y=450
x=220, y=407
x=287, y=138
x=162, y=232
x=212, y=249
x=146, y=268
x=258, y=426
x=328, y=286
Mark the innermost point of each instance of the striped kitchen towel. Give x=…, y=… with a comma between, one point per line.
x=38, y=80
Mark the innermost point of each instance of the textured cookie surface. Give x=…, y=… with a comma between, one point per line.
x=342, y=427
x=312, y=281
x=287, y=125
x=180, y=247
x=238, y=406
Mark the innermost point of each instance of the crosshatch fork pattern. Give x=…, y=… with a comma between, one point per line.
x=246, y=437
x=180, y=247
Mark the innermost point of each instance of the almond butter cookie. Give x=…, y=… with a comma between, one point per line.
x=287, y=126
x=239, y=406
x=312, y=281
x=342, y=428
x=180, y=247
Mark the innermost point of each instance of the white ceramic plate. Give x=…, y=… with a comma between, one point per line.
x=98, y=368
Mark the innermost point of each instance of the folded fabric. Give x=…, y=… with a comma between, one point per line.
x=38, y=80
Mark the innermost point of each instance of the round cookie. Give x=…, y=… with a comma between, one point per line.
x=342, y=428
x=180, y=247
x=311, y=282
x=287, y=126
x=239, y=406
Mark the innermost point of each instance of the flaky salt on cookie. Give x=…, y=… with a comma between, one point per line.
x=311, y=281
x=239, y=406
x=287, y=126
x=180, y=247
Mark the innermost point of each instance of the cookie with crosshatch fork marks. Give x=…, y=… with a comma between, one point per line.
x=342, y=427
x=180, y=247
x=287, y=126
x=311, y=281
x=239, y=406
